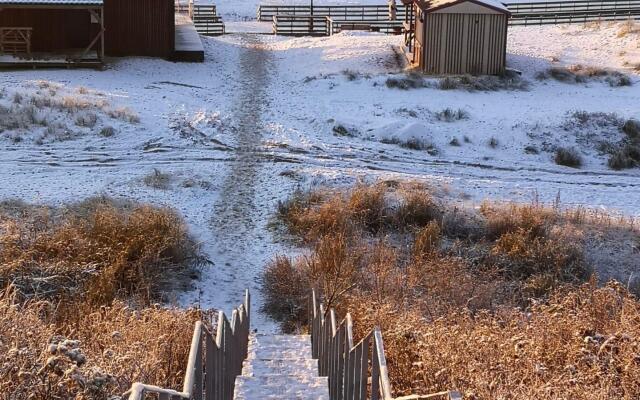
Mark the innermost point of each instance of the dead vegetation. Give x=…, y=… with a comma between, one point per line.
x=95, y=355
x=78, y=287
x=498, y=302
x=47, y=112
x=582, y=74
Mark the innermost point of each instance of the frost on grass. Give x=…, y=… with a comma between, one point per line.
x=45, y=112
x=412, y=143
x=78, y=292
x=158, y=180
x=582, y=74
x=99, y=248
x=491, y=301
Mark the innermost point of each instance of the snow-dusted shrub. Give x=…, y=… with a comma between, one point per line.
x=87, y=119
x=124, y=114
x=158, y=179
x=454, y=142
x=493, y=142
x=412, y=143
x=95, y=251
x=107, y=131
x=505, y=283
x=450, y=115
x=631, y=128
x=485, y=83
x=626, y=157
x=411, y=81
x=582, y=74
x=69, y=351
x=568, y=156
x=341, y=130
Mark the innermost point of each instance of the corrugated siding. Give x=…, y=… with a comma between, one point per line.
x=139, y=28
x=53, y=30
x=465, y=43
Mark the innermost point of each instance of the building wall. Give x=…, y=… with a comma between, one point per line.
x=53, y=30
x=139, y=28
x=458, y=43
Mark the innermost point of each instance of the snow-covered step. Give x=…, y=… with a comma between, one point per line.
x=280, y=367
x=259, y=367
x=283, y=387
x=281, y=347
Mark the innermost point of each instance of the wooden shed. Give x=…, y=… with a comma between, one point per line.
x=457, y=36
x=84, y=31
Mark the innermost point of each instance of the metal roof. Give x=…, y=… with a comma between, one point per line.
x=433, y=5
x=51, y=2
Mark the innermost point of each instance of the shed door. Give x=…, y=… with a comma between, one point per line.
x=465, y=43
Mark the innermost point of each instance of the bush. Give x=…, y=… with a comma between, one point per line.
x=91, y=355
x=505, y=284
x=96, y=251
x=632, y=128
x=568, y=157
x=158, y=180
x=626, y=157
x=409, y=82
x=449, y=115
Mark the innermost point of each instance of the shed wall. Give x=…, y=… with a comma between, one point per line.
x=139, y=28
x=465, y=43
x=53, y=29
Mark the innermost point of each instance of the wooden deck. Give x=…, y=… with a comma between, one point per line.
x=48, y=60
x=189, y=47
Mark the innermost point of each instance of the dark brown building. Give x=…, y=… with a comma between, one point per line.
x=457, y=36
x=87, y=30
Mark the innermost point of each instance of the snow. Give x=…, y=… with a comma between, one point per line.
x=254, y=122
x=280, y=367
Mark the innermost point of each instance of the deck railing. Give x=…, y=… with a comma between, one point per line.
x=533, y=13
x=347, y=365
x=214, y=362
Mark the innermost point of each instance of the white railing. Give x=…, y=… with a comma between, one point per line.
x=214, y=362
x=347, y=366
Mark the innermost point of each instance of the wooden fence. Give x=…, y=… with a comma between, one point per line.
x=300, y=25
x=214, y=362
x=15, y=40
x=538, y=13
x=347, y=365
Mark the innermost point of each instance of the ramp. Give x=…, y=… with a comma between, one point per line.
x=188, y=47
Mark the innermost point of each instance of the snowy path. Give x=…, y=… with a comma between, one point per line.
x=241, y=131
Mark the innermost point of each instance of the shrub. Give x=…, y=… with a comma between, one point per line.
x=341, y=130
x=158, y=180
x=87, y=120
x=285, y=284
x=454, y=142
x=493, y=142
x=568, y=157
x=107, y=131
x=96, y=251
x=632, y=128
x=449, y=115
x=409, y=82
x=626, y=157
x=93, y=354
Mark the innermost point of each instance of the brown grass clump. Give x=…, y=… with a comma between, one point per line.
x=94, y=356
x=498, y=302
x=96, y=250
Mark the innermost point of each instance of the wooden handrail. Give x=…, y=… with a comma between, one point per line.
x=347, y=365
x=214, y=362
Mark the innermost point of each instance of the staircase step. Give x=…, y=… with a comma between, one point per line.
x=281, y=387
x=269, y=367
x=281, y=346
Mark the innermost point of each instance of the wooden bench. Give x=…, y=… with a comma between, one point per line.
x=15, y=40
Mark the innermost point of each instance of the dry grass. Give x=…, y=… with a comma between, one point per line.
x=96, y=250
x=91, y=355
x=495, y=302
x=77, y=318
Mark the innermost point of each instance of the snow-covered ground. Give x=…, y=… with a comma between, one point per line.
x=258, y=119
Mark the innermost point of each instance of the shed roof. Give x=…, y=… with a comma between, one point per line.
x=61, y=3
x=433, y=5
